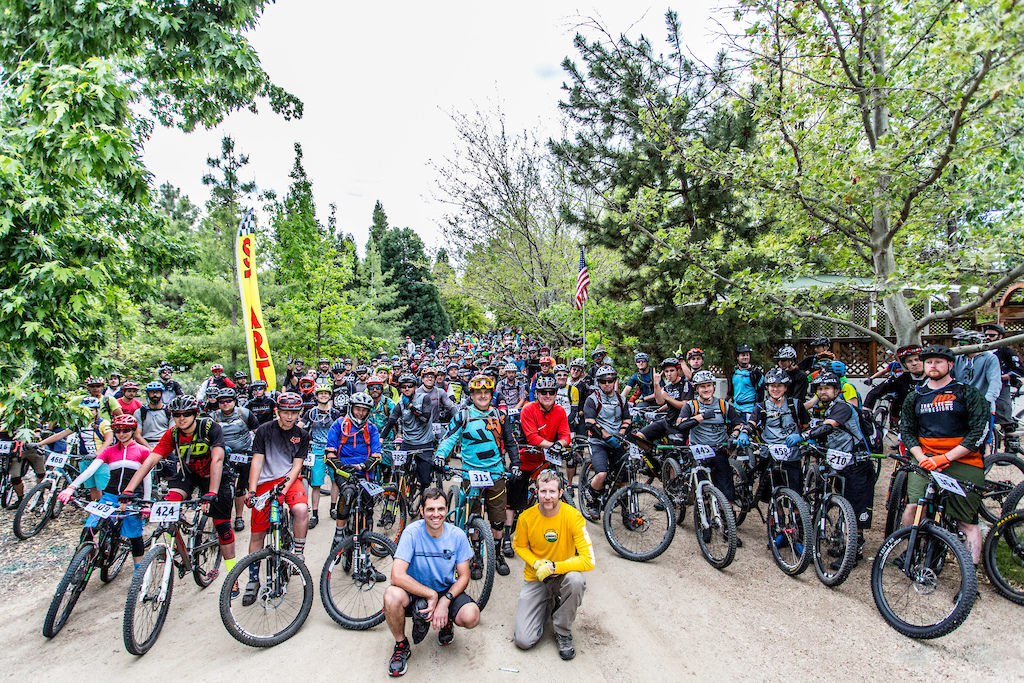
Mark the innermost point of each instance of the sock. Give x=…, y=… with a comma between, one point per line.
x=298, y=545
x=316, y=514
x=228, y=564
x=254, y=572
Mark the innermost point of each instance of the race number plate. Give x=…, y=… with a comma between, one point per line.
x=552, y=458
x=310, y=459
x=634, y=452
x=702, y=452
x=5, y=447
x=948, y=483
x=371, y=488
x=240, y=458
x=399, y=458
x=101, y=510
x=56, y=460
x=838, y=460
x=165, y=512
x=480, y=479
x=779, y=451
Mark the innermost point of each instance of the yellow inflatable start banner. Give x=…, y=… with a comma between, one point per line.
x=261, y=366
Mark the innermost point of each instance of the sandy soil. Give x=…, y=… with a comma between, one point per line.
x=673, y=618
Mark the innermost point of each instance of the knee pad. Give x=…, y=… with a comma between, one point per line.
x=345, y=502
x=224, y=532
x=173, y=496
x=138, y=546
x=498, y=526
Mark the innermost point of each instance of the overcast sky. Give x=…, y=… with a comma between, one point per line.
x=378, y=81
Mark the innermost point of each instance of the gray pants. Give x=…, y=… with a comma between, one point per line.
x=564, y=592
x=1004, y=407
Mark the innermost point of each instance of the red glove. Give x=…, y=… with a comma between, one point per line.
x=936, y=462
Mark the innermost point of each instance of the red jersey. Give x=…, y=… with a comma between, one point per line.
x=539, y=426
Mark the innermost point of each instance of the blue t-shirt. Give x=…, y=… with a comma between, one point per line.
x=432, y=560
x=744, y=393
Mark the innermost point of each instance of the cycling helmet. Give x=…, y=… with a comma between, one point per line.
x=481, y=382
x=670, y=362
x=533, y=349
x=299, y=361
x=491, y=371
x=114, y=373
x=324, y=386
x=241, y=375
x=694, y=352
x=578, y=363
x=427, y=370
x=155, y=386
x=785, y=352
x=702, y=377
x=416, y=356
x=464, y=373
x=90, y=402
x=395, y=359
x=289, y=400
x=838, y=368
x=337, y=367
x=406, y=379
x=776, y=376
x=360, y=398
x=184, y=404
x=910, y=350
x=259, y=384
x=362, y=370
x=306, y=385
x=744, y=348
x=821, y=341
x=545, y=382
x=166, y=368
x=226, y=392
x=605, y=371
x=324, y=359
x=561, y=367
x=598, y=351
x=130, y=385
x=641, y=357
x=826, y=355
x=937, y=351
x=510, y=367
x=124, y=422
x=375, y=381
x=216, y=367
x=827, y=379
x=547, y=360
x=93, y=381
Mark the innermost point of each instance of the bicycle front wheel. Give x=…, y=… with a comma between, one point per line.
x=482, y=565
x=206, y=555
x=1003, y=554
x=149, y=598
x=925, y=591
x=281, y=603
x=835, y=540
x=639, y=522
x=896, y=503
x=715, y=526
x=117, y=559
x=586, y=475
x=69, y=588
x=1003, y=471
x=35, y=510
x=354, y=578
x=790, y=532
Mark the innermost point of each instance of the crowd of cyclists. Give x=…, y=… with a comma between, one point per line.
x=502, y=403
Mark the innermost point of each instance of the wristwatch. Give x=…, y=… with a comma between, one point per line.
x=448, y=594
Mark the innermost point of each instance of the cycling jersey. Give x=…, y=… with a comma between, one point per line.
x=353, y=445
x=608, y=410
x=568, y=397
x=715, y=430
x=381, y=412
x=237, y=428
x=673, y=391
x=437, y=402
x=124, y=462
x=938, y=420
x=342, y=390
x=91, y=437
x=539, y=426
x=154, y=422
x=262, y=408
x=171, y=391
x=847, y=438
x=193, y=450
x=129, y=407
x=643, y=385
x=319, y=422
x=414, y=419
x=511, y=393
x=482, y=435
x=775, y=421
x=280, y=449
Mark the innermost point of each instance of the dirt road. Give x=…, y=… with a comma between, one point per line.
x=672, y=618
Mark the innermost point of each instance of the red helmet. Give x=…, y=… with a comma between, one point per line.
x=306, y=385
x=130, y=385
x=124, y=422
x=216, y=367
x=547, y=360
x=289, y=401
x=911, y=350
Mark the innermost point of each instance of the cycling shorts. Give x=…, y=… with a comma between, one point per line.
x=318, y=472
x=221, y=508
x=34, y=458
x=131, y=525
x=295, y=495
x=959, y=508
x=495, y=499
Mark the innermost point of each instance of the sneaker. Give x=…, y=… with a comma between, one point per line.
x=313, y=521
x=591, y=499
x=334, y=515
x=476, y=570
x=235, y=590
x=400, y=659
x=500, y=565
x=447, y=634
x=252, y=589
x=378, y=576
x=239, y=524
x=506, y=546
x=420, y=625
x=566, y=649
x=739, y=542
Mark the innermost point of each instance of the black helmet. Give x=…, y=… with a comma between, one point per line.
x=937, y=351
x=827, y=379
x=184, y=404
x=744, y=348
x=337, y=367
x=546, y=382
x=670, y=362
x=289, y=400
x=821, y=341
x=776, y=376
x=226, y=392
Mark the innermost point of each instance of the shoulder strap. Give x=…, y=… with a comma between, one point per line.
x=142, y=414
x=721, y=406
x=794, y=411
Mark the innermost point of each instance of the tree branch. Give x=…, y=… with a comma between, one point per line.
x=985, y=346
x=980, y=301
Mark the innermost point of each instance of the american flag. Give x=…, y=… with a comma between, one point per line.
x=582, y=283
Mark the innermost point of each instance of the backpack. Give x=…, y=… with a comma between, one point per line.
x=143, y=411
x=498, y=435
x=870, y=432
x=721, y=404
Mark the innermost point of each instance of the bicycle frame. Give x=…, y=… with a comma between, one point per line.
x=698, y=476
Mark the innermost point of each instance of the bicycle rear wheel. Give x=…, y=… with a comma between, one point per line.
x=941, y=587
x=390, y=513
x=35, y=510
x=634, y=526
x=149, y=598
x=354, y=578
x=586, y=475
x=715, y=526
x=1003, y=471
x=790, y=537
x=205, y=552
x=68, y=590
x=116, y=560
x=282, y=603
x=835, y=540
x=897, y=502
x=1003, y=554
x=744, y=488
x=1013, y=500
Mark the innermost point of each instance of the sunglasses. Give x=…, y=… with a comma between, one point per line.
x=123, y=430
x=546, y=392
x=177, y=415
x=606, y=381
x=225, y=400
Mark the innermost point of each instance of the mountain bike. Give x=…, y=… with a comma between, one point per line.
x=101, y=548
x=687, y=481
x=834, y=550
x=788, y=521
x=923, y=579
x=357, y=570
x=744, y=477
x=285, y=595
x=188, y=543
x=10, y=451
x=41, y=504
x=465, y=515
x=1003, y=556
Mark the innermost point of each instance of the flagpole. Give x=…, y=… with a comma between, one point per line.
x=584, y=329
